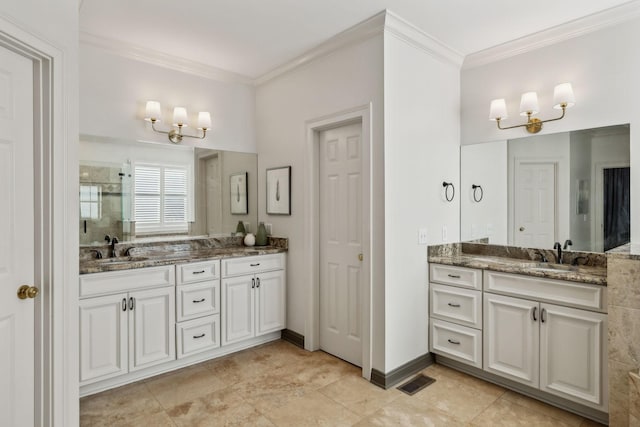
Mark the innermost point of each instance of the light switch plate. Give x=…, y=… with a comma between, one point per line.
x=267, y=226
x=422, y=236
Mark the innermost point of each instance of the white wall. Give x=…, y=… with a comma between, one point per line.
x=580, y=149
x=485, y=165
x=52, y=27
x=421, y=150
x=114, y=91
x=347, y=78
x=603, y=67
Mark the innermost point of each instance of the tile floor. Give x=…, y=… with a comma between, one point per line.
x=278, y=384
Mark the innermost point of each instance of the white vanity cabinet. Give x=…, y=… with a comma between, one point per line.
x=455, y=306
x=253, y=295
x=127, y=321
x=534, y=341
x=197, y=307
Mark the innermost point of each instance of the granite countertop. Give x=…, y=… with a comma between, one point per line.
x=628, y=251
x=172, y=257
x=522, y=261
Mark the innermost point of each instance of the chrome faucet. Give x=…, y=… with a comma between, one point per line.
x=558, y=247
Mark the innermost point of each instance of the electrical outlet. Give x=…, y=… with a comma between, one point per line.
x=268, y=228
x=444, y=233
x=422, y=236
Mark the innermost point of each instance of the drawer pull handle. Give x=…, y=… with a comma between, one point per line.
x=257, y=282
x=254, y=265
x=542, y=315
x=453, y=304
x=453, y=341
x=132, y=303
x=198, y=336
x=535, y=310
x=253, y=283
x=198, y=272
x=124, y=304
x=454, y=276
x=196, y=301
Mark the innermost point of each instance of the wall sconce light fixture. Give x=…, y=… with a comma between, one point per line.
x=562, y=99
x=153, y=114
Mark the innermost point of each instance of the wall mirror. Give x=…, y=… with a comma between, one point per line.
x=137, y=190
x=542, y=189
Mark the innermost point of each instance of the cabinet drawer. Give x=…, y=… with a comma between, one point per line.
x=197, y=272
x=456, y=342
x=198, y=335
x=197, y=300
x=458, y=276
x=463, y=306
x=252, y=264
x=547, y=290
x=113, y=282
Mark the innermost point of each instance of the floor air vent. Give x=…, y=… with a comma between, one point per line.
x=416, y=384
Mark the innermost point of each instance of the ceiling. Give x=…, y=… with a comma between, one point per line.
x=253, y=37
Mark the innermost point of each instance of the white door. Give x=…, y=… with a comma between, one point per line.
x=512, y=338
x=152, y=321
x=17, y=333
x=270, y=301
x=341, y=242
x=572, y=349
x=534, y=204
x=238, y=308
x=103, y=338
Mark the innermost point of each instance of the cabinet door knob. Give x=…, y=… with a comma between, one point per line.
x=257, y=282
x=124, y=304
x=535, y=310
x=253, y=283
x=131, y=303
x=542, y=315
x=521, y=228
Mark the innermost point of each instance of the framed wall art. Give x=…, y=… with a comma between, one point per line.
x=239, y=200
x=279, y=191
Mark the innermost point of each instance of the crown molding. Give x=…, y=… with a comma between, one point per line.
x=414, y=36
x=553, y=35
x=153, y=57
x=352, y=35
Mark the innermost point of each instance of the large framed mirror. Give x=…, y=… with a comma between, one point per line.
x=139, y=190
x=534, y=191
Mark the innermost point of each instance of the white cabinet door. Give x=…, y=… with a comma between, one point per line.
x=238, y=308
x=271, y=300
x=572, y=345
x=103, y=337
x=152, y=338
x=511, y=338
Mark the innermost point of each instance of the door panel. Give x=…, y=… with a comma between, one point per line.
x=17, y=247
x=535, y=204
x=341, y=242
x=270, y=290
x=152, y=338
x=238, y=308
x=511, y=338
x=571, y=353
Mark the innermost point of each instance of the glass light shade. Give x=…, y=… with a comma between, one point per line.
x=153, y=111
x=529, y=103
x=498, y=110
x=180, y=116
x=204, y=120
x=563, y=94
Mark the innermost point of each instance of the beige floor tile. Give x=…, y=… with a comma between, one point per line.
x=408, y=413
x=282, y=353
x=506, y=413
x=220, y=408
x=184, y=385
x=312, y=409
x=589, y=423
x=241, y=366
x=462, y=399
x=118, y=405
x=359, y=395
x=322, y=370
x=543, y=408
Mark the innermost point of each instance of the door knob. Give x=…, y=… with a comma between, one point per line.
x=26, y=291
x=521, y=228
x=360, y=257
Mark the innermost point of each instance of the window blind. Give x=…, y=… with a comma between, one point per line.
x=161, y=197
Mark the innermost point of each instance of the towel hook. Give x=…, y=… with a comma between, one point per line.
x=446, y=186
x=475, y=195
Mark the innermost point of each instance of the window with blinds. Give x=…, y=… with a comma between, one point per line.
x=161, y=197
